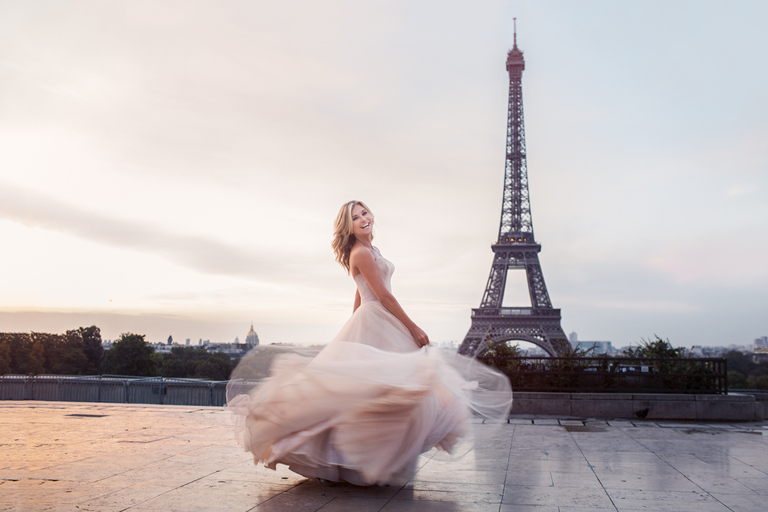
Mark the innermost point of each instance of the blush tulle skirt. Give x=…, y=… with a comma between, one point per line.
x=363, y=408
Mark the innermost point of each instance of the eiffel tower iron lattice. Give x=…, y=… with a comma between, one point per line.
x=516, y=248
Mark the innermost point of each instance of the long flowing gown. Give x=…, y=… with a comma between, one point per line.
x=365, y=407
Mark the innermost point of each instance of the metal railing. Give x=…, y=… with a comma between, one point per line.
x=479, y=312
x=614, y=374
x=113, y=388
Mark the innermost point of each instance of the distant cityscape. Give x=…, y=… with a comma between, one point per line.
x=235, y=350
x=757, y=350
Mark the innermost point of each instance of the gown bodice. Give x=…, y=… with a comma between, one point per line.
x=386, y=268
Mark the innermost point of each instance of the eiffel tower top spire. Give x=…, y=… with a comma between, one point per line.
x=514, y=22
x=515, y=55
x=516, y=225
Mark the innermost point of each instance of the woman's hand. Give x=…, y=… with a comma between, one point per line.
x=419, y=336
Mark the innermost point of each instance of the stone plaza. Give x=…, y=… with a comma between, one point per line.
x=70, y=456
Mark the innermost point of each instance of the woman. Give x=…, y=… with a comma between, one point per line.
x=375, y=397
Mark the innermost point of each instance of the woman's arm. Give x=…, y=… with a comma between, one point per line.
x=362, y=259
x=357, y=301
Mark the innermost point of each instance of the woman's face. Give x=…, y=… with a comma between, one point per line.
x=362, y=222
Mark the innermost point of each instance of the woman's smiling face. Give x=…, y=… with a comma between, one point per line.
x=362, y=222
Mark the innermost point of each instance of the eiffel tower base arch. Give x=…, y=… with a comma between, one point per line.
x=540, y=327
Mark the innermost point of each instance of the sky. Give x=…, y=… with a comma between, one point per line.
x=174, y=168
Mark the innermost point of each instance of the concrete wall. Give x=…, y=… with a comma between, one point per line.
x=732, y=407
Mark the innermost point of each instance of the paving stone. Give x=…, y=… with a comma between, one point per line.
x=134, y=458
x=506, y=507
x=545, y=421
x=673, y=501
x=341, y=504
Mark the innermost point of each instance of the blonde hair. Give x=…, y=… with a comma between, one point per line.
x=343, y=239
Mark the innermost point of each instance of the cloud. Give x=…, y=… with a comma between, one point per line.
x=732, y=262
x=647, y=305
x=741, y=189
x=203, y=254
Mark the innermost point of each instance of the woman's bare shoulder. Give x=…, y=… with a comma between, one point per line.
x=361, y=253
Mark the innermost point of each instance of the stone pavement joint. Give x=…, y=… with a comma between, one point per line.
x=68, y=457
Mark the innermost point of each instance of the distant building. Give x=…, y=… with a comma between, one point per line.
x=533, y=351
x=760, y=354
x=702, y=351
x=573, y=338
x=599, y=347
x=251, y=339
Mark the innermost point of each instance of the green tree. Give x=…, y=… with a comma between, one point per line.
x=92, y=348
x=20, y=344
x=760, y=382
x=130, y=355
x=739, y=362
x=501, y=355
x=5, y=357
x=199, y=363
x=63, y=353
x=169, y=365
x=656, y=348
x=36, y=358
x=216, y=366
x=685, y=373
x=737, y=380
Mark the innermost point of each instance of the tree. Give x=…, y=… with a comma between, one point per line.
x=737, y=380
x=216, y=366
x=500, y=355
x=655, y=349
x=739, y=362
x=5, y=357
x=63, y=353
x=36, y=358
x=92, y=347
x=200, y=363
x=760, y=382
x=20, y=344
x=169, y=365
x=130, y=355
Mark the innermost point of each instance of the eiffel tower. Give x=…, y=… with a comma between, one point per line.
x=516, y=248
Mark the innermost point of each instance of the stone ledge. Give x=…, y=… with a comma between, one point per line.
x=662, y=406
x=658, y=397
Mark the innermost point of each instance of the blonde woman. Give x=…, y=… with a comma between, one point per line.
x=353, y=245
x=374, y=398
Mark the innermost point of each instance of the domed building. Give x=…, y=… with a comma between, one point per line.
x=251, y=339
